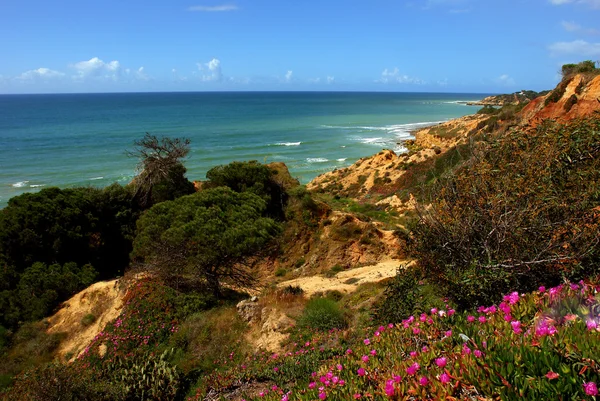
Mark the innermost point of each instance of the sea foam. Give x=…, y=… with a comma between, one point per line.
x=20, y=184
x=288, y=144
x=316, y=160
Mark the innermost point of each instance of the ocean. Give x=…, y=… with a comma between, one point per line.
x=68, y=140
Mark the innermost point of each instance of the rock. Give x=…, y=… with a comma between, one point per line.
x=437, y=150
x=249, y=310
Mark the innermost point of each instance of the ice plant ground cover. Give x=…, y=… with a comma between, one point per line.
x=543, y=345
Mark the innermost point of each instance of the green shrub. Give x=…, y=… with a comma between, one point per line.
x=518, y=215
x=292, y=290
x=148, y=377
x=572, y=101
x=65, y=382
x=280, y=272
x=300, y=262
x=88, y=320
x=487, y=109
x=586, y=66
x=401, y=298
x=321, y=314
x=251, y=177
x=334, y=270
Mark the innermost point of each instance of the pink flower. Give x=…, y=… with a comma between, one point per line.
x=423, y=317
x=542, y=289
x=470, y=319
x=416, y=330
x=552, y=375
x=397, y=378
x=312, y=385
x=389, y=388
x=412, y=369
x=445, y=378
x=482, y=319
x=413, y=354
x=377, y=334
x=322, y=395
x=367, y=341
x=591, y=324
x=466, y=350
x=357, y=396
x=285, y=397
x=339, y=367
x=424, y=349
x=365, y=358
x=477, y=353
x=441, y=362
x=373, y=352
x=590, y=388
x=434, y=311
x=341, y=382
x=423, y=381
x=348, y=351
x=448, y=333
x=360, y=372
x=512, y=298
x=451, y=312
x=516, y=326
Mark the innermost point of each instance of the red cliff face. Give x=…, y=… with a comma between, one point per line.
x=575, y=98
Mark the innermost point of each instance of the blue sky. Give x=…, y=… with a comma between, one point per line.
x=214, y=45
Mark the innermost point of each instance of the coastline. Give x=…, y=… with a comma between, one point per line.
x=311, y=133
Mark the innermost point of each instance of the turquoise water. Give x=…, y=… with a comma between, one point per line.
x=80, y=139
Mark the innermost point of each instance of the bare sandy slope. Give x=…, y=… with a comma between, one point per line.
x=339, y=282
x=103, y=300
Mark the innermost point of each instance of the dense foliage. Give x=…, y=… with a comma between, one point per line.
x=522, y=212
x=57, y=241
x=208, y=235
x=587, y=66
x=251, y=177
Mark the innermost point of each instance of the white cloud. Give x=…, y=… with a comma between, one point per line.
x=96, y=68
x=141, y=75
x=394, y=76
x=591, y=3
x=576, y=47
x=212, y=9
x=570, y=26
x=314, y=80
x=211, y=71
x=330, y=79
x=506, y=80
x=39, y=74
x=289, y=75
x=574, y=27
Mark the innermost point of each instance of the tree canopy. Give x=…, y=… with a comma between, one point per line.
x=208, y=235
x=251, y=177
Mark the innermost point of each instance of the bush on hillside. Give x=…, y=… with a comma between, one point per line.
x=61, y=240
x=40, y=289
x=250, y=177
x=586, y=66
x=322, y=314
x=522, y=212
x=208, y=235
x=401, y=297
